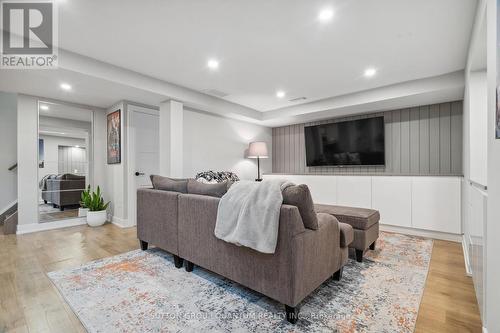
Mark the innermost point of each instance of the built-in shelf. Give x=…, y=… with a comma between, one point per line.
x=417, y=202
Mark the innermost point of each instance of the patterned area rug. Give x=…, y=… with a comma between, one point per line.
x=142, y=291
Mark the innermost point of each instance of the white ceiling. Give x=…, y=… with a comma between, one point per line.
x=87, y=90
x=268, y=45
x=63, y=111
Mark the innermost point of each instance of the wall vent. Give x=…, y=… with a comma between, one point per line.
x=215, y=92
x=297, y=99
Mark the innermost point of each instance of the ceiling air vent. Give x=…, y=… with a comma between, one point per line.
x=215, y=92
x=298, y=99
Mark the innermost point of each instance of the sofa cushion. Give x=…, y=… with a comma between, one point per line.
x=169, y=184
x=358, y=218
x=299, y=196
x=214, y=190
x=346, y=234
x=70, y=176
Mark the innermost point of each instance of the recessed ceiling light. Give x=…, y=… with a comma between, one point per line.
x=280, y=94
x=325, y=15
x=44, y=107
x=65, y=86
x=370, y=72
x=213, y=64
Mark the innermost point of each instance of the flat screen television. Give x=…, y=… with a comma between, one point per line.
x=355, y=142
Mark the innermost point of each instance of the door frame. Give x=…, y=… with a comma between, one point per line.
x=130, y=144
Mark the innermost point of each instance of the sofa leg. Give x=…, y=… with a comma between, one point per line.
x=178, y=261
x=372, y=247
x=45, y=201
x=337, y=276
x=54, y=205
x=61, y=208
x=359, y=255
x=189, y=266
x=144, y=245
x=292, y=314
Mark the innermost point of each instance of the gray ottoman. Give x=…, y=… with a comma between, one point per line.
x=365, y=223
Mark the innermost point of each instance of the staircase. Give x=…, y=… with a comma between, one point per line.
x=9, y=220
x=8, y=217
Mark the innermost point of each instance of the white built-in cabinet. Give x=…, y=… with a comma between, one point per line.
x=429, y=203
x=392, y=198
x=436, y=204
x=354, y=191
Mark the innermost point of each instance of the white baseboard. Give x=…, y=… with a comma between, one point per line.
x=35, y=227
x=122, y=223
x=465, y=250
x=485, y=330
x=8, y=207
x=422, y=233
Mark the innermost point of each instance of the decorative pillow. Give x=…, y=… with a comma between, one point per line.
x=299, y=195
x=212, y=177
x=169, y=184
x=213, y=190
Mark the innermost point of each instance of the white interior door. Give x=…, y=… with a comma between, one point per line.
x=144, y=158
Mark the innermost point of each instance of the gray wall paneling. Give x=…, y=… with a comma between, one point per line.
x=424, y=140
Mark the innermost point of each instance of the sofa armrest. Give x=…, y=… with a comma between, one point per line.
x=315, y=256
x=157, y=213
x=346, y=234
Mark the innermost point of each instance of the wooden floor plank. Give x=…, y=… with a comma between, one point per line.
x=449, y=302
x=29, y=302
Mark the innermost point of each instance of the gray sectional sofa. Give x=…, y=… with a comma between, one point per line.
x=63, y=190
x=183, y=224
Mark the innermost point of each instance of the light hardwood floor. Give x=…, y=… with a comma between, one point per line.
x=30, y=303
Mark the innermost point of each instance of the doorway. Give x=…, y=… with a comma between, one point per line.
x=144, y=153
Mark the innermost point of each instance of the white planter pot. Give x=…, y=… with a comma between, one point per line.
x=82, y=212
x=95, y=219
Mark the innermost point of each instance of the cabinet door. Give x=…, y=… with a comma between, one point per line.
x=391, y=196
x=323, y=188
x=436, y=204
x=354, y=191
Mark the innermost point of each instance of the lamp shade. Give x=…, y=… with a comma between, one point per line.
x=257, y=149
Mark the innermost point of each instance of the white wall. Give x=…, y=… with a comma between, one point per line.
x=98, y=158
x=51, y=152
x=171, y=119
x=27, y=148
x=493, y=213
x=219, y=144
x=8, y=149
x=478, y=120
x=482, y=165
x=115, y=188
x=475, y=157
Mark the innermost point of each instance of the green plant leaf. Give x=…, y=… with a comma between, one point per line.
x=94, y=200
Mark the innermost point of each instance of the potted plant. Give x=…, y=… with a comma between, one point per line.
x=85, y=198
x=96, y=216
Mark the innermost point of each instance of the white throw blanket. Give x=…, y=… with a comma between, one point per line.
x=249, y=214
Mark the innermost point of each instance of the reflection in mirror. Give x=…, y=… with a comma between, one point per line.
x=64, y=157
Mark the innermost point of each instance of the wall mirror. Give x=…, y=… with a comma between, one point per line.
x=65, y=150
